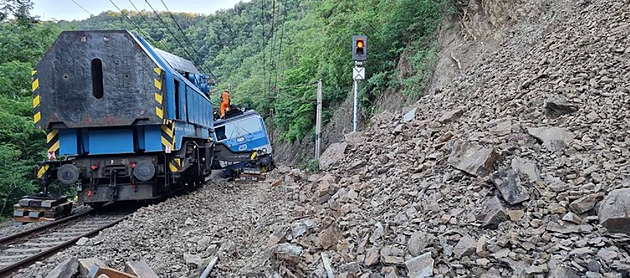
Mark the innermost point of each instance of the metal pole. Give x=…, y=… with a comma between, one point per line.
x=356, y=104
x=318, y=120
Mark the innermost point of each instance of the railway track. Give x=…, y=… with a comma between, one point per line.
x=22, y=249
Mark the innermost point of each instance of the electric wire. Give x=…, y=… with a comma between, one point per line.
x=264, y=61
x=129, y=19
x=169, y=31
x=187, y=40
x=284, y=20
x=82, y=8
x=272, y=37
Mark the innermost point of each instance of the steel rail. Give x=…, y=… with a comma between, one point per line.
x=26, y=261
x=22, y=234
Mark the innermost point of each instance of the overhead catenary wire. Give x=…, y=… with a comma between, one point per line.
x=262, y=22
x=169, y=30
x=129, y=19
x=271, y=53
x=75, y=2
x=284, y=19
x=187, y=40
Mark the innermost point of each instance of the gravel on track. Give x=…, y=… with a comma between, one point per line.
x=178, y=237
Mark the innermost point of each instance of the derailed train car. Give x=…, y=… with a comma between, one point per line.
x=242, y=144
x=124, y=120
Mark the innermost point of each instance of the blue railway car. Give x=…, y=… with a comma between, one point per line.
x=242, y=144
x=124, y=120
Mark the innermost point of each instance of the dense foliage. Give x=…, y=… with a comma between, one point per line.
x=22, y=42
x=268, y=52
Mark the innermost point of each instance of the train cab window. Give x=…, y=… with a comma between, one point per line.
x=220, y=131
x=97, y=78
x=227, y=131
x=249, y=126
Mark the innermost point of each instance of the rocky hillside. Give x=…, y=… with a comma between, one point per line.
x=514, y=165
x=516, y=168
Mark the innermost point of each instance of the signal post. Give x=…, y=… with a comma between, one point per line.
x=359, y=55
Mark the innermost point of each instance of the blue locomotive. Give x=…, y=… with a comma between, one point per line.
x=242, y=144
x=124, y=120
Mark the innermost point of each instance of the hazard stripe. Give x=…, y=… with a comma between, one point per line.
x=167, y=130
x=157, y=84
x=158, y=98
x=172, y=167
x=35, y=84
x=159, y=112
x=54, y=148
x=42, y=171
x=157, y=70
x=175, y=164
x=166, y=142
x=51, y=135
x=36, y=101
x=52, y=140
x=168, y=133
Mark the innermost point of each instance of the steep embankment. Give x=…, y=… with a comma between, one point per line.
x=515, y=168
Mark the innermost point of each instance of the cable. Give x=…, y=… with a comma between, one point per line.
x=262, y=22
x=273, y=22
x=284, y=17
x=82, y=8
x=186, y=38
x=128, y=18
x=169, y=30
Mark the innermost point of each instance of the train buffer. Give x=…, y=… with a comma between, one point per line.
x=37, y=208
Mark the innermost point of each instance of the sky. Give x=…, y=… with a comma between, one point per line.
x=68, y=10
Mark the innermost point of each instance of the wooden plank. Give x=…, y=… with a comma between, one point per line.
x=109, y=272
x=27, y=219
x=140, y=269
x=54, y=209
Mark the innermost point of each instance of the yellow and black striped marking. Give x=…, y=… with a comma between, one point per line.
x=159, y=97
x=37, y=114
x=168, y=135
x=175, y=164
x=52, y=141
x=42, y=171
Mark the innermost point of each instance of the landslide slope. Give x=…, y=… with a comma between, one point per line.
x=499, y=173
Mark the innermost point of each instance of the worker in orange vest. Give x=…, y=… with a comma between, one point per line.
x=225, y=103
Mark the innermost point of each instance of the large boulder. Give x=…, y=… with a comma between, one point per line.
x=526, y=167
x=558, y=106
x=333, y=153
x=553, y=138
x=509, y=185
x=473, y=159
x=494, y=213
x=614, y=211
x=66, y=269
x=421, y=266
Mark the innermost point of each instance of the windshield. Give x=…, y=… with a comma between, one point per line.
x=239, y=128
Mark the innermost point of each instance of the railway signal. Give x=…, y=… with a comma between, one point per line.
x=359, y=55
x=359, y=48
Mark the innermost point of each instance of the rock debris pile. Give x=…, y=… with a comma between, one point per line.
x=519, y=168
